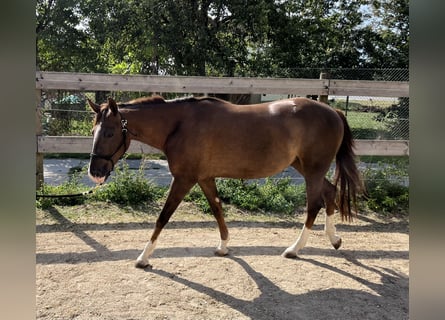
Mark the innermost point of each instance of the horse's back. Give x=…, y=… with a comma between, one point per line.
x=293, y=108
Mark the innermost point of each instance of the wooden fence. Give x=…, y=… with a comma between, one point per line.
x=227, y=85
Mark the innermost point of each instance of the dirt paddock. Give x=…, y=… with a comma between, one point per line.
x=85, y=269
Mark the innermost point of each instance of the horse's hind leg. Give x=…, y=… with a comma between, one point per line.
x=208, y=186
x=314, y=189
x=178, y=190
x=329, y=191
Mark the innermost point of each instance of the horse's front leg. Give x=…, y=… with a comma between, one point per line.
x=178, y=190
x=208, y=186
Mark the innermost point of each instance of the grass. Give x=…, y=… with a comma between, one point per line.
x=365, y=126
x=379, y=119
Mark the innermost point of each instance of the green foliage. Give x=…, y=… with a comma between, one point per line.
x=67, y=114
x=240, y=193
x=385, y=182
x=62, y=127
x=396, y=119
x=196, y=196
x=129, y=188
x=219, y=38
x=125, y=187
x=61, y=42
x=385, y=192
x=278, y=196
x=72, y=186
x=390, y=33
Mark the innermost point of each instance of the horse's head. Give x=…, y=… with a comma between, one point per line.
x=110, y=140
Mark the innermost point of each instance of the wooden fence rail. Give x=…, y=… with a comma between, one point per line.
x=76, y=144
x=181, y=84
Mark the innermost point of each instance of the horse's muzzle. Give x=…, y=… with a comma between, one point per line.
x=99, y=173
x=98, y=180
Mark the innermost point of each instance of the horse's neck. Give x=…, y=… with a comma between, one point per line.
x=152, y=124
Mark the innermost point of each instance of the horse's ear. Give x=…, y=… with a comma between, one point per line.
x=112, y=105
x=95, y=107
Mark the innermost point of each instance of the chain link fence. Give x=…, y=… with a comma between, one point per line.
x=374, y=117
x=65, y=113
x=379, y=118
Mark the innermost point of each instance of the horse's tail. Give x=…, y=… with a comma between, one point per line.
x=346, y=173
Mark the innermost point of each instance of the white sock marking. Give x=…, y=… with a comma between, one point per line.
x=222, y=247
x=330, y=229
x=300, y=243
x=148, y=250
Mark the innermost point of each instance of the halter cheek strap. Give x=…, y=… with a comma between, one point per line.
x=123, y=143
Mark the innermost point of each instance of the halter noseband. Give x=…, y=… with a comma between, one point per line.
x=123, y=143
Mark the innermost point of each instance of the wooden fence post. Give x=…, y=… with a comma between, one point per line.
x=323, y=98
x=39, y=131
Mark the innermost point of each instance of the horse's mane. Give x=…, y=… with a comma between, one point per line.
x=192, y=99
x=143, y=100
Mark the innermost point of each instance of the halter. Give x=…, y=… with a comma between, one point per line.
x=123, y=143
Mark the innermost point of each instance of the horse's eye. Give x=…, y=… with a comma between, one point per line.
x=108, y=134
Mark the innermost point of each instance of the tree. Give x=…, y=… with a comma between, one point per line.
x=220, y=37
x=60, y=42
x=205, y=37
x=317, y=33
x=387, y=37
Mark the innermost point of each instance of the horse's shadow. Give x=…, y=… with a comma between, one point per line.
x=275, y=303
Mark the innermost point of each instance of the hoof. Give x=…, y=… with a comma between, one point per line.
x=289, y=254
x=221, y=252
x=142, y=265
x=337, y=244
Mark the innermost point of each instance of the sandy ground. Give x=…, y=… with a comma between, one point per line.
x=85, y=270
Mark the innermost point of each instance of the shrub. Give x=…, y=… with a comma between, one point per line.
x=385, y=193
x=278, y=196
x=72, y=186
x=129, y=188
x=197, y=197
x=396, y=119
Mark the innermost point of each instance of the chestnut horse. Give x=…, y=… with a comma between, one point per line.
x=204, y=138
